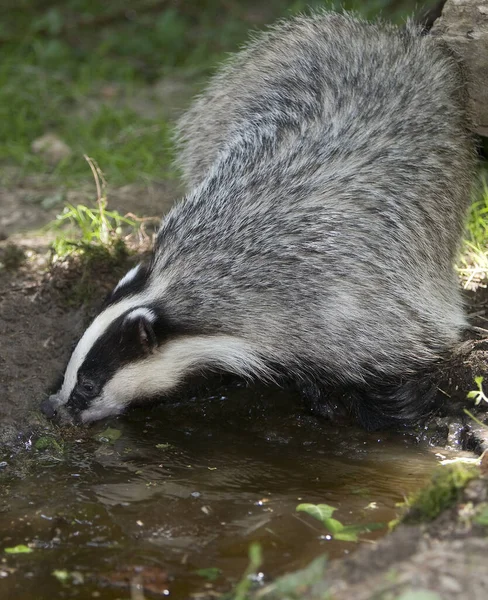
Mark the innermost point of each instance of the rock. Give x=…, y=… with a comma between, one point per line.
x=51, y=148
x=464, y=27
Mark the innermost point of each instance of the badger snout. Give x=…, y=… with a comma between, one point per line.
x=52, y=408
x=49, y=406
x=55, y=410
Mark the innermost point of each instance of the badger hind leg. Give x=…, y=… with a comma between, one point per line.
x=387, y=404
x=320, y=400
x=378, y=405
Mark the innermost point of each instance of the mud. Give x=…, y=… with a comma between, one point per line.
x=41, y=312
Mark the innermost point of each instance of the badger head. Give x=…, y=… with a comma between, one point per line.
x=134, y=351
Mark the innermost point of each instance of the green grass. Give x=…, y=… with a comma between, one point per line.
x=58, y=57
x=82, y=229
x=88, y=227
x=34, y=101
x=473, y=266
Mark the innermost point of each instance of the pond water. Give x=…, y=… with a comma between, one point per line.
x=189, y=486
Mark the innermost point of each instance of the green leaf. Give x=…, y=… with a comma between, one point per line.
x=349, y=533
x=62, y=575
x=255, y=556
x=211, y=573
x=109, y=436
x=345, y=533
x=365, y=528
x=163, y=446
x=344, y=536
x=20, y=549
x=317, y=511
x=333, y=525
x=255, y=561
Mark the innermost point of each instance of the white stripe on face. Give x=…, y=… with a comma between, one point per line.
x=163, y=371
x=144, y=312
x=129, y=276
x=154, y=290
x=91, y=335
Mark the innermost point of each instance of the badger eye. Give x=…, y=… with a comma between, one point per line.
x=87, y=387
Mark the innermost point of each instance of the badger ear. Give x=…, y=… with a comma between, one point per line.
x=139, y=326
x=146, y=335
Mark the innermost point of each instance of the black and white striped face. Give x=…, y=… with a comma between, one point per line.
x=132, y=352
x=110, y=346
x=106, y=370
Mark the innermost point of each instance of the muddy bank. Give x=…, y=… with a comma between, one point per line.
x=43, y=309
x=40, y=317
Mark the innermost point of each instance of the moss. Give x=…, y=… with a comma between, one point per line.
x=12, y=257
x=481, y=517
x=441, y=493
x=46, y=442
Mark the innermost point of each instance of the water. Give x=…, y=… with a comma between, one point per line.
x=189, y=486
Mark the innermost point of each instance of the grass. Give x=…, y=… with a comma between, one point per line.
x=81, y=227
x=473, y=266
x=129, y=146
x=242, y=589
x=84, y=70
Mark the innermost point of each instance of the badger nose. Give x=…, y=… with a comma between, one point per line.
x=47, y=408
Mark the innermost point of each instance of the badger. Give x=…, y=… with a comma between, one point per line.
x=328, y=167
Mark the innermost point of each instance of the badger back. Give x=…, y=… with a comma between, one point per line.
x=343, y=147
x=370, y=85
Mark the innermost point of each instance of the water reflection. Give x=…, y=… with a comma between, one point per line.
x=188, y=486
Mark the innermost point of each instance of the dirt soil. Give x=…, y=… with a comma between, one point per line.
x=41, y=314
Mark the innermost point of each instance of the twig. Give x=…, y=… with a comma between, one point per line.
x=470, y=414
x=130, y=215
x=97, y=176
x=101, y=196
x=479, y=329
x=142, y=221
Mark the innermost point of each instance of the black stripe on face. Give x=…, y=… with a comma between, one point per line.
x=128, y=339
x=134, y=286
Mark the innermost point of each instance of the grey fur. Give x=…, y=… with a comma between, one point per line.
x=329, y=167
x=335, y=165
